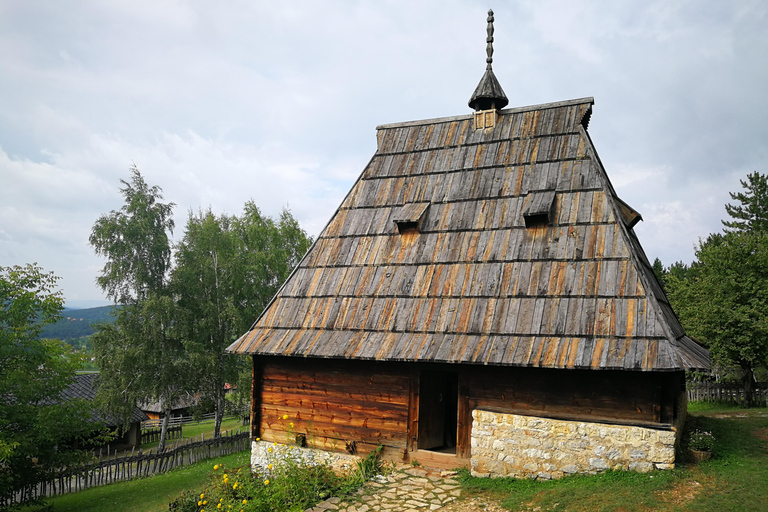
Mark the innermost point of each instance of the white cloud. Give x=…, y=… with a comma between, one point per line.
x=278, y=102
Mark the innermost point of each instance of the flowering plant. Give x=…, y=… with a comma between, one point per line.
x=701, y=441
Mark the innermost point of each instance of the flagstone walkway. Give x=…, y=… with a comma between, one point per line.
x=405, y=490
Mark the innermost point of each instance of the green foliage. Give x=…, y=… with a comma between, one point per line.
x=701, y=440
x=136, y=242
x=227, y=269
x=145, y=494
x=371, y=465
x=77, y=324
x=266, y=252
x=751, y=215
x=38, y=430
x=139, y=359
x=287, y=484
x=722, y=297
x=660, y=273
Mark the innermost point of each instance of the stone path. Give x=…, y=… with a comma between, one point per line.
x=405, y=490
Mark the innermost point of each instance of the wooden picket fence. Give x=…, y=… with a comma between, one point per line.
x=152, y=435
x=731, y=393
x=135, y=465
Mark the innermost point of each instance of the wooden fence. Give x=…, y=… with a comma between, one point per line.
x=152, y=435
x=726, y=392
x=182, y=420
x=136, y=465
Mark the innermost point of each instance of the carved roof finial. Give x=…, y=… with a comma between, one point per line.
x=489, y=40
x=489, y=94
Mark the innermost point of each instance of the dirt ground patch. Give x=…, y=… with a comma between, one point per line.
x=681, y=493
x=475, y=504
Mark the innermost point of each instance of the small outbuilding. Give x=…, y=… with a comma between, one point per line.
x=480, y=299
x=84, y=387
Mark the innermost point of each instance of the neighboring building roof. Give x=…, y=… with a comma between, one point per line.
x=183, y=402
x=524, y=257
x=84, y=387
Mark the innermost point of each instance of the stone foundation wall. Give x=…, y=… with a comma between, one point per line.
x=264, y=453
x=533, y=447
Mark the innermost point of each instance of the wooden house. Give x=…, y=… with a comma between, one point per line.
x=479, y=298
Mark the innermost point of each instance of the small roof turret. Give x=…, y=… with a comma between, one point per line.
x=488, y=94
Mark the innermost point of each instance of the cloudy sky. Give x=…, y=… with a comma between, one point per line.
x=222, y=102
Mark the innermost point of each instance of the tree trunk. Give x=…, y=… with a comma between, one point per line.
x=748, y=380
x=164, y=430
x=219, y=410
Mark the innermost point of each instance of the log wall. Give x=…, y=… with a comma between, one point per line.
x=334, y=403
x=620, y=397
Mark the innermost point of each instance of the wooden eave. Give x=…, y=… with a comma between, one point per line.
x=475, y=285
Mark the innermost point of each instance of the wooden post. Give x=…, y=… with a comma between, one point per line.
x=257, y=374
x=413, y=410
x=464, y=421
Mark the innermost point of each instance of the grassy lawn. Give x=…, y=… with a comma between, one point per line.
x=146, y=494
x=736, y=479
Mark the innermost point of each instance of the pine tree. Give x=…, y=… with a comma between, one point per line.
x=752, y=212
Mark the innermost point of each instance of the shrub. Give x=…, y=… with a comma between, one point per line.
x=701, y=441
x=287, y=484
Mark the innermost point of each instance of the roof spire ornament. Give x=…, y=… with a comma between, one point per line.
x=489, y=40
x=488, y=95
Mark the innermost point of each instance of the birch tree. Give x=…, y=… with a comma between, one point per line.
x=139, y=359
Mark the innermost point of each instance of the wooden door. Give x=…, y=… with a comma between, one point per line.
x=438, y=410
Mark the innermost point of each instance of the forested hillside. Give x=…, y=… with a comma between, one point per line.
x=76, y=323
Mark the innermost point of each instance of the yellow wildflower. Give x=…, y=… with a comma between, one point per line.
x=269, y=466
x=266, y=482
x=258, y=439
x=216, y=467
x=291, y=424
x=199, y=503
x=269, y=449
x=245, y=502
x=285, y=416
x=202, y=496
x=218, y=506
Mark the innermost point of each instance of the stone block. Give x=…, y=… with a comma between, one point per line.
x=640, y=467
x=598, y=463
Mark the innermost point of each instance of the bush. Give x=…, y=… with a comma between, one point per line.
x=287, y=484
x=701, y=441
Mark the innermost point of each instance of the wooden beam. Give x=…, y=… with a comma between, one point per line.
x=256, y=385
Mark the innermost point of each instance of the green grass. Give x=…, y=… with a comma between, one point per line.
x=150, y=494
x=736, y=479
x=719, y=407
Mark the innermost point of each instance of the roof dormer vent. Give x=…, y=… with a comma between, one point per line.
x=408, y=217
x=539, y=208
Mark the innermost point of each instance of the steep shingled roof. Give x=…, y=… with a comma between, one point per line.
x=474, y=282
x=84, y=387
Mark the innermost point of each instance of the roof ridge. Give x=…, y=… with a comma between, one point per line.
x=515, y=110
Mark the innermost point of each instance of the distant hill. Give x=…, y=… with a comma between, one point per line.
x=76, y=323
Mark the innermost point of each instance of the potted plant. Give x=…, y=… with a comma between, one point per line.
x=701, y=444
